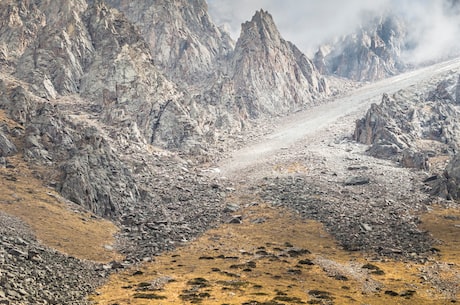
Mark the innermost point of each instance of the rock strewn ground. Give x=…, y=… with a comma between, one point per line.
x=31, y=273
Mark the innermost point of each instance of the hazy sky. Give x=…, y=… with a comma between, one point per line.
x=308, y=23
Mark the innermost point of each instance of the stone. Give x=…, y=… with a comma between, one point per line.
x=236, y=219
x=7, y=148
x=231, y=208
x=356, y=180
x=16, y=252
x=366, y=227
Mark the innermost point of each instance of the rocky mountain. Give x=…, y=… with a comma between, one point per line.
x=102, y=90
x=373, y=52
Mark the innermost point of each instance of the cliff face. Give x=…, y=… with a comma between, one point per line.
x=186, y=44
x=372, y=53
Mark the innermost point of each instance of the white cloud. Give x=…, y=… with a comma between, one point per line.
x=306, y=23
x=309, y=23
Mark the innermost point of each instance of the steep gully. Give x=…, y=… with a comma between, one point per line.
x=295, y=127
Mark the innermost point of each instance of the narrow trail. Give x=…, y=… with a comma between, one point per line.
x=309, y=122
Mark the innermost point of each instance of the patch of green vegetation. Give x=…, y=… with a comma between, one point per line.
x=233, y=284
x=391, y=293
x=307, y=262
x=374, y=269
x=194, y=297
x=247, y=265
x=259, y=293
x=319, y=294
x=294, y=271
x=407, y=294
x=229, y=274
x=199, y=282
x=340, y=277
x=261, y=303
x=285, y=298
x=149, y=296
x=297, y=252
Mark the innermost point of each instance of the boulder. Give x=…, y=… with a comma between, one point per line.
x=7, y=148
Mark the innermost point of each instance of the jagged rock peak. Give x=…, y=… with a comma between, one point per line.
x=373, y=52
x=261, y=28
x=270, y=74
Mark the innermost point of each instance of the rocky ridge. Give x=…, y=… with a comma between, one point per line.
x=418, y=131
x=373, y=52
x=271, y=75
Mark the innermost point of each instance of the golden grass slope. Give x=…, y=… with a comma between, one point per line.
x=280, y=260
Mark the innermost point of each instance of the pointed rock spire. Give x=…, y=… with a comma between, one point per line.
x=271, y=75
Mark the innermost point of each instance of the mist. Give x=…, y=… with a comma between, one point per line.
x=434, y=25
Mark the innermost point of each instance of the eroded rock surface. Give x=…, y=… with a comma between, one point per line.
x=373, y=52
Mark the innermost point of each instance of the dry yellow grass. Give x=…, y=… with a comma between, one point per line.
x=444, y=225
x=56, y=223
x=291, y=168
x=227, y=266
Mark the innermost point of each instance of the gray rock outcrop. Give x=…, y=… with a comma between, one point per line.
x=420, y=132
x=372, y=53
x=270, y=74
x=188, y=47
x=447, y=185
x=411, y=129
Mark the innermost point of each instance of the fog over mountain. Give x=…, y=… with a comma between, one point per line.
x=434, y=24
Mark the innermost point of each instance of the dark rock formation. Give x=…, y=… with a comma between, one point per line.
x=447, y=185
x=418, y=132
x=7, y=148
